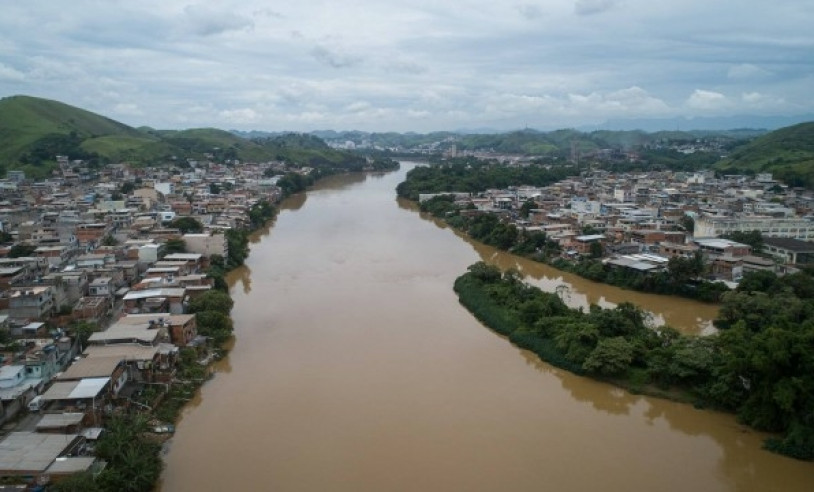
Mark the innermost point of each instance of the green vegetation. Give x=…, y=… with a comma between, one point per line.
x=475, y=175
x=21, y=250
x=133, y=459
x=787, y=153
x=301, y=150
x=760, y=366
x=175, y=246
x=187, y=225
x=752, y=238
x=34, y=131
x=682, y=277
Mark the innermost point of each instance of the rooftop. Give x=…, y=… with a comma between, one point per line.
x=76, y=390
x=31, y=452
x=789, y=244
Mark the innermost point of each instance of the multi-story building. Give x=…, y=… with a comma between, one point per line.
x=768, y=226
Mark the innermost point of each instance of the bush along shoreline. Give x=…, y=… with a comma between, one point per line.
x=760, y=365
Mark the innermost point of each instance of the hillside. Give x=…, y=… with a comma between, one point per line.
x=34, y=131
x=787, y=153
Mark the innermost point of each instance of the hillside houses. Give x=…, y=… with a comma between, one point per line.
x=83, y=252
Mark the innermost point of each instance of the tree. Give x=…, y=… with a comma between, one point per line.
x=187, y=225
x=20, y=250
x=82, y=330
x=214, y=324
x=175, y=246
x=527, y=207
x=611, y=356
x=752, y=238
x=596, y=250
x=687, y=223
x=126, y=188
x=211, y=300
x=109, y=240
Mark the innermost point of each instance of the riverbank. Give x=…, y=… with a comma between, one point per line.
x=769, y=393
x=356, y=369
x=679, y=279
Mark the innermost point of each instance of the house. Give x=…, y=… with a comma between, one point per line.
x=640, y=263
x=207, y=244
x=153, y=300
x=91, y=308
x=31, y=302
x=13, y=275
x=102, y=287
x=722, y=247
x=31, y=455
x=182, y=328
x=111, y=367
x=195, y=262
x=670, y=250
x=144, y=333
x=582, y=244
x=142, y=363
x=61, y=423
x=91, y=233
x=16, y=390
x=84, y=395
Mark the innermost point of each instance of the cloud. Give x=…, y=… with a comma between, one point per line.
x=334, y=58
x=473, y=63
x=591, y=7
x=530, y=11
x=756, y=100
x=127, y=109
x=707, y=100
x=205, y=21
x=10, y=73
x=357, y=107
x=746, y=71
x=239, y=116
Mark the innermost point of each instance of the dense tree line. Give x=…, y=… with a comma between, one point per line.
x=759, y=366
x=475, y=175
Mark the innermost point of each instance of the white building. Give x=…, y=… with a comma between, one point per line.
x=768, y=226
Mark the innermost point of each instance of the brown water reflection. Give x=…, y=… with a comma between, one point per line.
x=354, y=368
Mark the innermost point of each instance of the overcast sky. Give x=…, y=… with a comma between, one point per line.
x=417, y=65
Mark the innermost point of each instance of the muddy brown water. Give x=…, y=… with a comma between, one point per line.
x=354, y=368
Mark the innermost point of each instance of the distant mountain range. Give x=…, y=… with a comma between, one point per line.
x=709, y=123
x=33, y=131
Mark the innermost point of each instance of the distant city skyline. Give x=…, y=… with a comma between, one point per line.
x=415, y=66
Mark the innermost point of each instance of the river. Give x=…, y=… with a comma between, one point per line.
x=355, y=369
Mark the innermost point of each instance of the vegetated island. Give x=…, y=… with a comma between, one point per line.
x=760, y=365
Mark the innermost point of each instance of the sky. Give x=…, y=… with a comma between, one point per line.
x=417, y=65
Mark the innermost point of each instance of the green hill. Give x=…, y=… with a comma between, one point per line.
x=34, y=131
x=787, y=153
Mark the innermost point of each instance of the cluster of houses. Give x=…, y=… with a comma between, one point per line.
x=92, y=250
x=641, y=220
